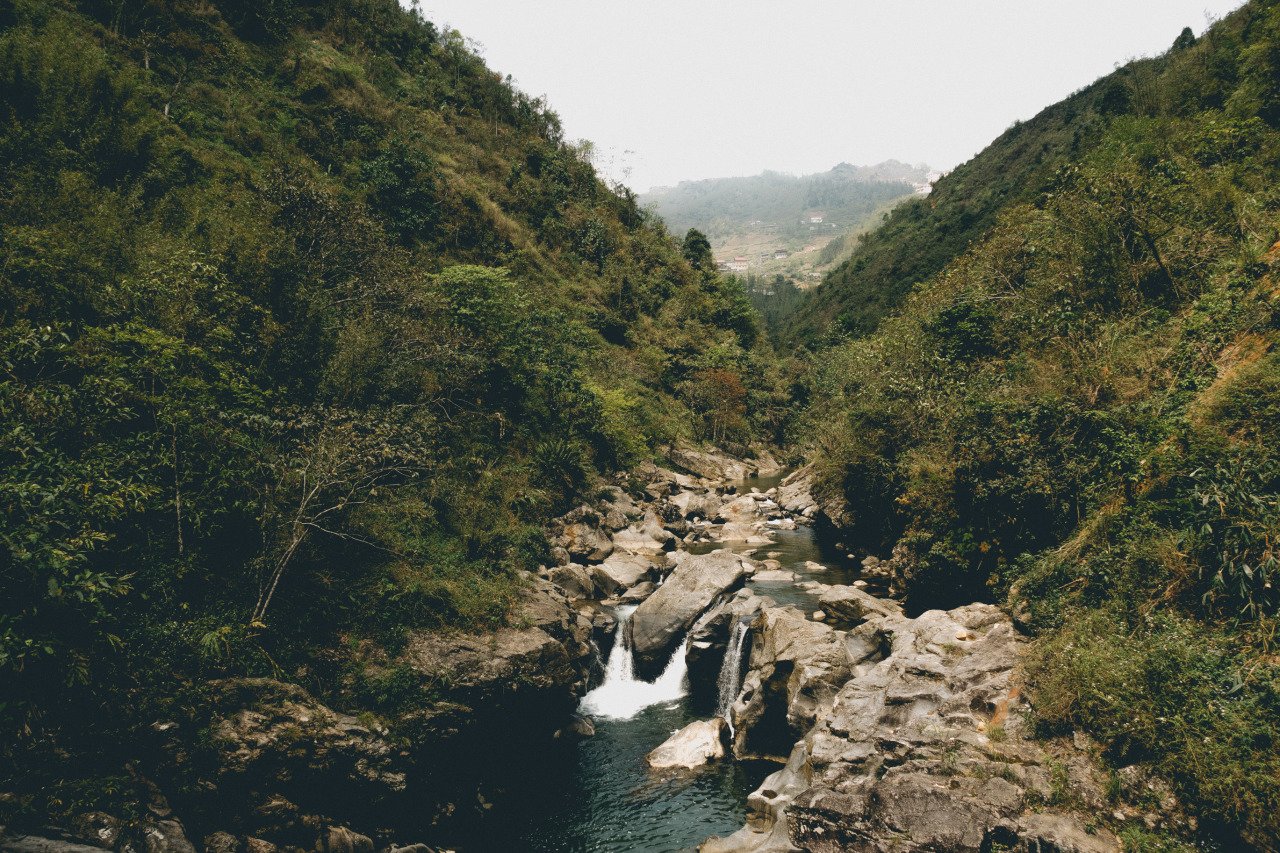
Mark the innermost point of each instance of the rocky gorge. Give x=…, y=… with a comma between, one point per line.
x=889, y=731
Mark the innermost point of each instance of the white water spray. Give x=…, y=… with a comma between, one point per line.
x=621, y=695
x=730, y=680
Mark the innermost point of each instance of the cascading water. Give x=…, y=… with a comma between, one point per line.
x=730, y=680
x=621, y=695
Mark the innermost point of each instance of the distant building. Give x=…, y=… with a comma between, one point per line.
x=816, y=219
x=780, y=255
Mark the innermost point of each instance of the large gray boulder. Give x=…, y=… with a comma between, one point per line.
x=695, y=584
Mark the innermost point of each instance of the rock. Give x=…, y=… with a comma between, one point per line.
x=819, y=616
x=576, y=581
x=693, y=746
x=811, y=566
x=695, y=504
x=647, y=537
x=795, y=669
x=168, y=836
x=275, y=737
x=258, y=845
x=579, y=533
x=99, y=828
x=639, y=592
x=709, y=639
x=710, y=465
x=902, y=756
x=773, y=576
x=622, y=571
x=40, y=844
x=222, y=842
x=795, y=494
x=539, y=662
x=413, y=848
x=340, y=839
x=851, y=605
x=698, y=580
x=580, y=726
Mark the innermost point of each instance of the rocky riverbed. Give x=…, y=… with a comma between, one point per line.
x=886, y=731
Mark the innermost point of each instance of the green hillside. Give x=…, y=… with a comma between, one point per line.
x=1075, y=410
x=923, y=235
x=308, y=322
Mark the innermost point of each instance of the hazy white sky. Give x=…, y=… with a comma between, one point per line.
x=683, y=89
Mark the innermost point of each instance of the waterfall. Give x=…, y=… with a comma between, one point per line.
x=730, y=680
x=621, y=695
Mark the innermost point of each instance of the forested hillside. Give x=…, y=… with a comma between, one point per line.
x=1076, y=411
x=308, y=322
x=922, y=236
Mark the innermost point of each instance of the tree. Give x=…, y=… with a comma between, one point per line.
x=696, y=249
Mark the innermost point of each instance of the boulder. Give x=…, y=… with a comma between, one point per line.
x=647, y=536
x=852, y=605
x=639, y=592
x=39, y=844
x=579, y=532
x=698, y=580
x=622, y=571
x=168, y=836
x=340, y=839
x=709, y=639
x=577, y=581
x=773, y=576
x=693, y=746
x=222, y=842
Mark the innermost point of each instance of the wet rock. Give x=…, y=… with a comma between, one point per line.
x=696, y=744
x=773, y=576
x=709, y=639
x=692, y=588
x=580, y=726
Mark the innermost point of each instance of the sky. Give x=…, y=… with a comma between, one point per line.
x=672, y=90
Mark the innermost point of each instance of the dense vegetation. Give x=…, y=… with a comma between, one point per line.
x=308, y=322
x=1077, y=410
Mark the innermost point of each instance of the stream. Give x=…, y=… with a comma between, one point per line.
x=598, y=794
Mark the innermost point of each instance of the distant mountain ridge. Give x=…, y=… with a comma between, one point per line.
x=754, y=218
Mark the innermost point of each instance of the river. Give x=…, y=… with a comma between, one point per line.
x=599, y=794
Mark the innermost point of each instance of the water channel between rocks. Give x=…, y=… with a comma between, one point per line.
x=599, y=794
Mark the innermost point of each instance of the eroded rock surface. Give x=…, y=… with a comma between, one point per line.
x=696, y=744
x=914, y=739
x=695, y=584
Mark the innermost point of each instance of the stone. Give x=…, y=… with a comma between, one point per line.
x=852, y=605
x=258, y=845
x=222, y=842
x=639, y=592
x=340, y=839
x=773, y=576
x=819, y=616
x=692, y=588
x=576, y=581
x=39, y=844
x=696, y=744
x=99, y=828
x=622, y=571
x=647, y=537
x=167, y=836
